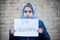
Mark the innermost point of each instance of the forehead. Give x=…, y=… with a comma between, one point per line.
x=27, y=8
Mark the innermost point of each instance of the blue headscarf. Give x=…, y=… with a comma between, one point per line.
x=34, y=12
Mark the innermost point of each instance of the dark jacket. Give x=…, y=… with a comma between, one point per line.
x=42, y=36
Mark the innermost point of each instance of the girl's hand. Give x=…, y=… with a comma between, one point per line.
x=40, y=30
x=12, y=31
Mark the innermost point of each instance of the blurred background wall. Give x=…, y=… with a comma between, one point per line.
x=47, y=10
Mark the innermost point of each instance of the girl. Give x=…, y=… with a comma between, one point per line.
x=29, y=12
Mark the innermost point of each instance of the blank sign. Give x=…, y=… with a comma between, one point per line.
x=26, y=27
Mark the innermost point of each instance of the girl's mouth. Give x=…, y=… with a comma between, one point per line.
x=27, y=16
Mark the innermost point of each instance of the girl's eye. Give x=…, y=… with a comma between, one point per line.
x=25, y=11
x=30, y=11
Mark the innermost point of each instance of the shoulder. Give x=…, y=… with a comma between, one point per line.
x=40, y=21
x=41, y=24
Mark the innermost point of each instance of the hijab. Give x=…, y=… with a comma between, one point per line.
x=33, y=10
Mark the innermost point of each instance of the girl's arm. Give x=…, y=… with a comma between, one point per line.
x=44, y=35
x=11, y=35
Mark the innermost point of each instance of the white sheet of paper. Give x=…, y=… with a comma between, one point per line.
x=26, y=27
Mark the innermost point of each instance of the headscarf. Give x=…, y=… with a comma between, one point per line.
x=33, y=11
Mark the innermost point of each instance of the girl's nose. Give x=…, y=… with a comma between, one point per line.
x=27, y=13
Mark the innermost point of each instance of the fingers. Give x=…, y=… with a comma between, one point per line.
x=12, y=31
x=40, y=30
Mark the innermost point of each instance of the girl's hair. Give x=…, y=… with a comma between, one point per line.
x=28, y=5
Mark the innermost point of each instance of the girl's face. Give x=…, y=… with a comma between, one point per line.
x=28, y=12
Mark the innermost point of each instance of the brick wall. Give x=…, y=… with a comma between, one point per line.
x=47, y=10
